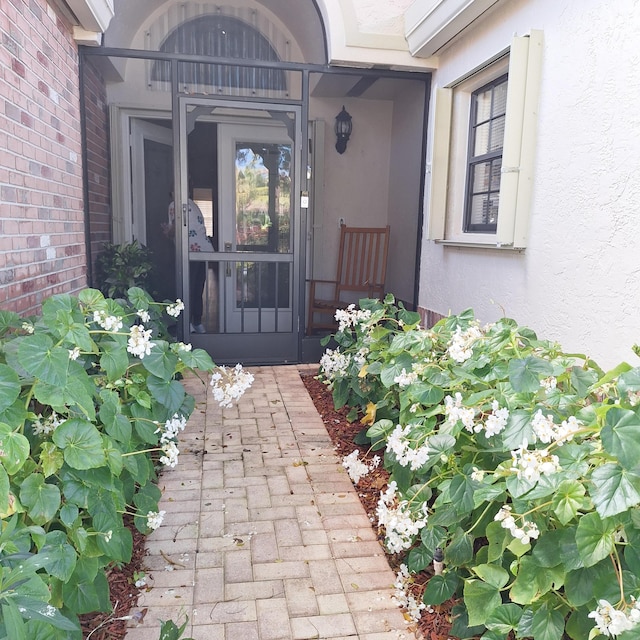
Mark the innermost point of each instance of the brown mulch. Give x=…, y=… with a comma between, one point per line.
x=123, y=593
x=433, y=625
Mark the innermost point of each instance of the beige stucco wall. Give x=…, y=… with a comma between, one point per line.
x=579, y=278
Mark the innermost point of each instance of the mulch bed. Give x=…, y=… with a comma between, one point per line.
x=433, y=625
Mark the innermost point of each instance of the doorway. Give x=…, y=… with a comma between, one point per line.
x=237, y=169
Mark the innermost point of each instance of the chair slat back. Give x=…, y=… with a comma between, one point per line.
x=362, y=259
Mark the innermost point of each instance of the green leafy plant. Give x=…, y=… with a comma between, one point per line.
x=90, y=409
x=170, y=631
x=122, y=266
x=517, y=460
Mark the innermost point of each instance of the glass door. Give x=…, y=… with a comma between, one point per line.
x=239, y=229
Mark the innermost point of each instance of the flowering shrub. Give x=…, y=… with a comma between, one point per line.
x=90, y=408
x=518, y=461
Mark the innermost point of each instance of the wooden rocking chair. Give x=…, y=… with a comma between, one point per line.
x=362, y=268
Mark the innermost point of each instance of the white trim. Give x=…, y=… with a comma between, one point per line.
x=430, y=28
x=93, y=15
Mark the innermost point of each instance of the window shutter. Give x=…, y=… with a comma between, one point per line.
x=440, y=163
x=519, y=140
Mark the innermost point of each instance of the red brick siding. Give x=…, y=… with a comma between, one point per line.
x=428, y=317
x=42, y=248
x=97, y=141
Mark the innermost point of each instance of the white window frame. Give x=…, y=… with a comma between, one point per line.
x=523, y=62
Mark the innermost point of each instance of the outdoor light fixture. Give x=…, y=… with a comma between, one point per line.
x=343, y=130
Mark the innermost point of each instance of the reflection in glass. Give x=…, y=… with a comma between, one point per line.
x=263, y=197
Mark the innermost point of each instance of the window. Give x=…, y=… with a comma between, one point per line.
x=483, y=150
x=486, y=137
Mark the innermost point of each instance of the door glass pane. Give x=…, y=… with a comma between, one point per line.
x=263, y=197
x=262, y=285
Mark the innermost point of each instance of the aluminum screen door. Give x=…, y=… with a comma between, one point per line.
x=239, y=171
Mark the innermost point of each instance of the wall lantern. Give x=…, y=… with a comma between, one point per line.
x=343, y=130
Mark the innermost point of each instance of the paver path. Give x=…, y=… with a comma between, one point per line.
x=264, y=533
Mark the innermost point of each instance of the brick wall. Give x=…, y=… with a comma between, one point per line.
x=42, y=249
x=428, y=317
x=97, y=141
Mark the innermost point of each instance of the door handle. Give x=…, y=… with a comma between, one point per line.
x=228, y=247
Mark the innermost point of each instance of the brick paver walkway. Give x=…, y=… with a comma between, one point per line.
x=264, y=536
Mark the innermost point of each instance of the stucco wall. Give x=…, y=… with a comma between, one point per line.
x=579, y=278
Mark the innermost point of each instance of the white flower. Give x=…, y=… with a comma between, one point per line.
x=524, y=533
x=531, y=464
x=139, y=343
x=184, y=347
x=401, y=525
x=171, y=452
x=496, y=421
x=28, y=327
x=357, y=468
x=171, y=428
x=549, y=383
x=460, y=347
x=143, y=315
x=351, y=317
x=454, y=411
x=477, y=474
x=399, y=443
x=403, y=598
x=108, y=323
x=154, y=519
x=108, y=536
x=405, y=379
x=543, y=427
x=334, y=364
x=230, y=384
x=74, y=353
x=175, y=309
x=610, y=621
x=44, y=426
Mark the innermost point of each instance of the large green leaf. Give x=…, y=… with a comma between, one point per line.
x=4, y=490
x=114, y=359
x=85, y=593
x=460, y=550
x=533, y=581
x=9, y=387
x=492, y=574
x=81, y=444
x=614, y=489
x=41, y=499
x=621, y=436
x=578, y=586
x=394, y=368
x=547, y=623
x=461, y=493
x=34, y=609
x=196, y=359
x=595, y=538
x=14, y=625
x=440, y=588
x=518, y=430
x=43, y=360
x=14, y=449
x=504, y=618
x=568, y=499
x=61, y=555
x=169, y=393
x=161, y=362
x=481, y=599
x=525, y=373
x=418, y=559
